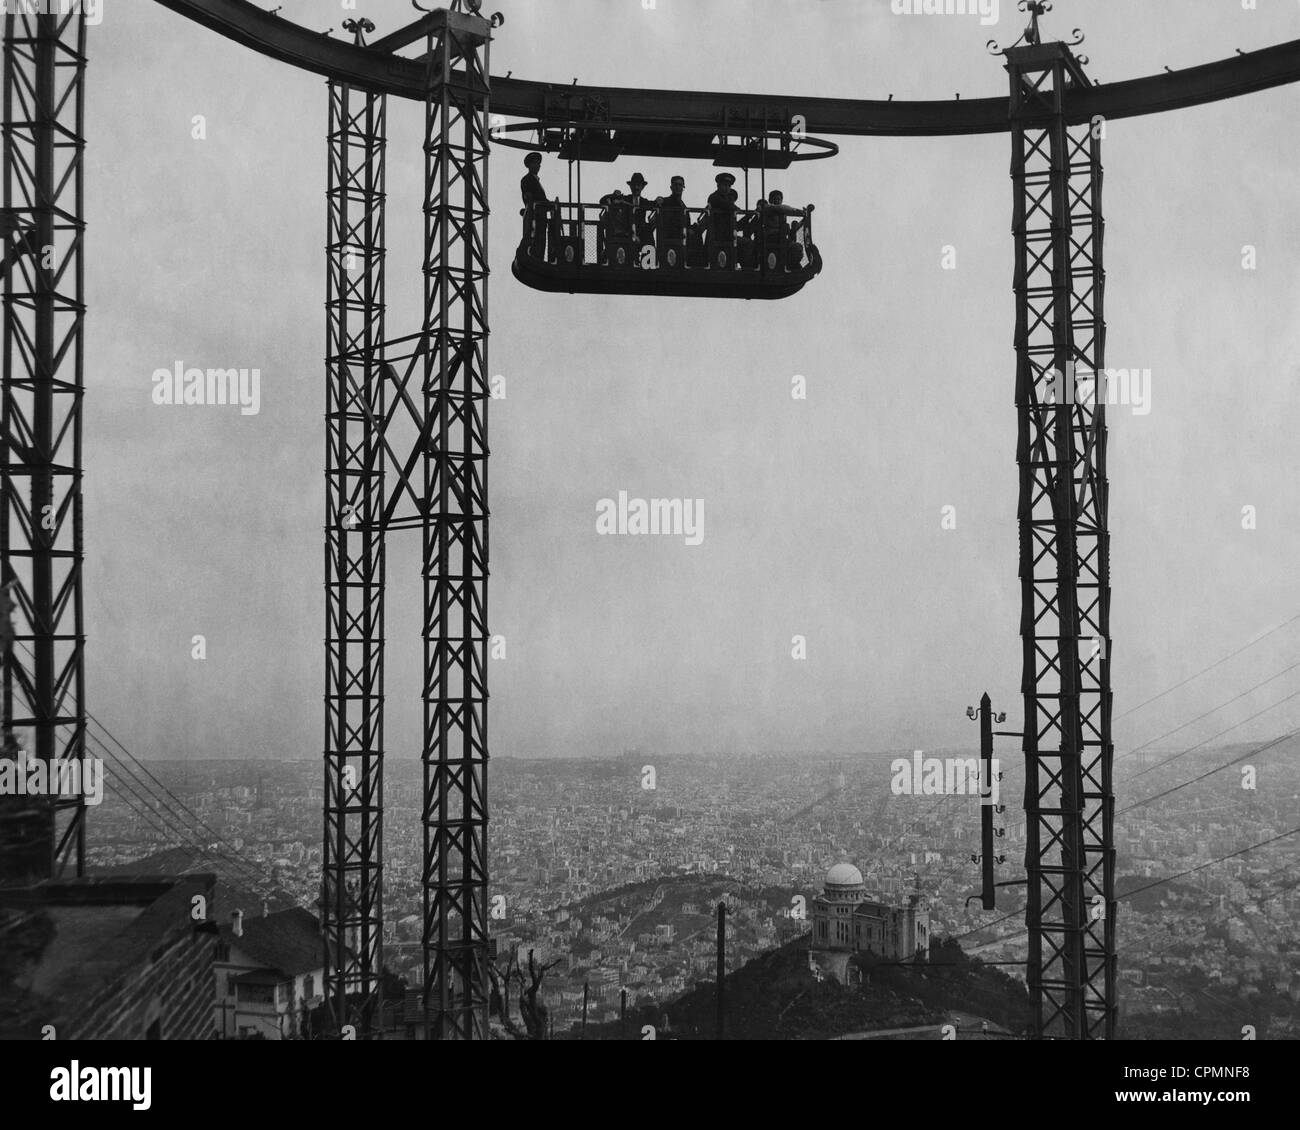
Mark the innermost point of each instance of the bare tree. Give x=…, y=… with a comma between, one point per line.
x=501, y=996
x=532, y=1009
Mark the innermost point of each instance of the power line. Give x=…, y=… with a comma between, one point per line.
x=175, y=833
x=1225, y=730
x=175, y=830
x=1210, y=773
x=1212, y=863
x=1185, y=784
x=938, y=804
x=1136, y=891
x=145, y=811
x=251, y=872
x=1259, y=897
x=1176, y=788
x=142, y=809
x=989, y=925
x=925, y=816
x=1211, y=667
x=233, y=855
x=1212, y=710
x=1147, y=800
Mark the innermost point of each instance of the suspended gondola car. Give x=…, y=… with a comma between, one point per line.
x=634, y=244
x=665, y=248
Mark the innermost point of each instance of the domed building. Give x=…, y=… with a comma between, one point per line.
x=843, y=891
x=844, y=876
x=845, y=920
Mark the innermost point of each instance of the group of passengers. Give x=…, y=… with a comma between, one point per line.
x=665, y=221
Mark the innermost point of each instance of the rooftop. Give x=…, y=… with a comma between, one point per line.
x=65, y=944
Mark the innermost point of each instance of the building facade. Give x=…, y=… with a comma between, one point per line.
x=270, y=974
x=845, y=920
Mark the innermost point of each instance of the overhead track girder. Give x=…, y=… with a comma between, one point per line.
x=374, y=69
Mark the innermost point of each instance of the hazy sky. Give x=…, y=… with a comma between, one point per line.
x=822, y=518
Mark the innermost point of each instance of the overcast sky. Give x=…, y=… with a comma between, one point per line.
x=822, y=518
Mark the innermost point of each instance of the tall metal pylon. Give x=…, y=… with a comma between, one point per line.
x=415, y=407
x=41, y=537
x=438, y=398
x=455, y=467
x=1064, y=545
x=352, y=881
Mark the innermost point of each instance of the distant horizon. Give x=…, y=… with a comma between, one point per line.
x=1121, y=756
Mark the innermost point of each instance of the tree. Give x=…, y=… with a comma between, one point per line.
x=532, y=1009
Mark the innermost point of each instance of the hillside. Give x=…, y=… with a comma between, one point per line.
x=777, y=997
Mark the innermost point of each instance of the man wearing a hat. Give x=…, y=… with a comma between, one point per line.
x=722, y=211
x=535, y=206
x=640, y=208
x=624, y=215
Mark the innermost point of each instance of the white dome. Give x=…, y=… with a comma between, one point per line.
x=844, y=875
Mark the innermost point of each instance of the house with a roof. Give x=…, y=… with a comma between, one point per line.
x=270, y=973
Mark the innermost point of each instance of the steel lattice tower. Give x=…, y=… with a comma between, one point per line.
x=416, y=406
x=1064, y=548
x=44, y=315
x=437, y=411
x=352, y=894
x=455, y=529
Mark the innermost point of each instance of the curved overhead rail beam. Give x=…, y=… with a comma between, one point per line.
x=375, y=70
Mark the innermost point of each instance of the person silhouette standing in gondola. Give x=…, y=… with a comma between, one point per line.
x=641, y=208
x=672, y=220
x=536, y=207
x=722, y=220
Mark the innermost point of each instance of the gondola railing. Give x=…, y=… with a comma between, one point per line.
x=615, y=234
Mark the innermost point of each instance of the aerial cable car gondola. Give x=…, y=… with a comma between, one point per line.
x=633, y=244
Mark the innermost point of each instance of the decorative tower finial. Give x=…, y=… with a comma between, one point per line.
x=360, y=29
x=1035, y=8
x=1031, y=36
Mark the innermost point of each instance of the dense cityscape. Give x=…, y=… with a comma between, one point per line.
x=613, y=867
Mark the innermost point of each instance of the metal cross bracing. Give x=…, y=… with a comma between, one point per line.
x=455, y=529
x=434, y=435
x=352, y=880
x=417, y=406
x=1064, y=548
x=41, y=541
